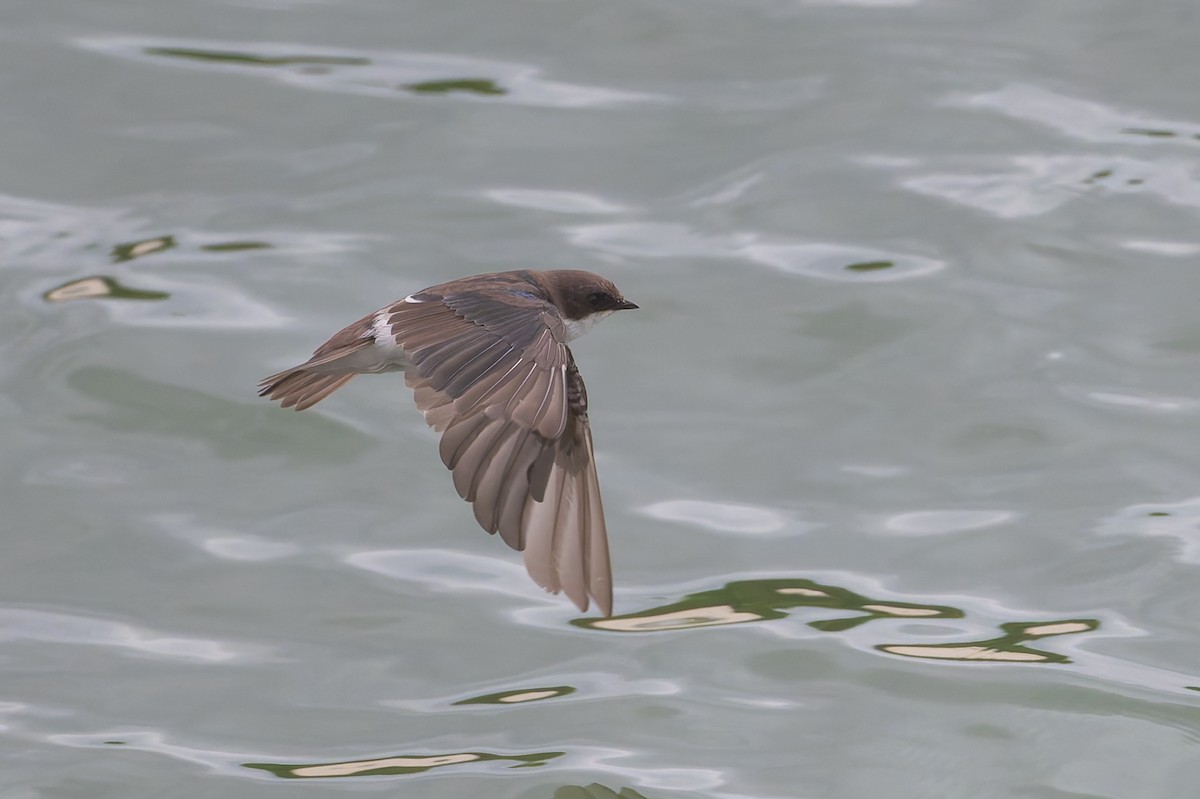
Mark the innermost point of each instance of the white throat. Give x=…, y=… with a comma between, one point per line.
x=577, y=327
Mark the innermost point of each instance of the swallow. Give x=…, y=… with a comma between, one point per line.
x=487, y=359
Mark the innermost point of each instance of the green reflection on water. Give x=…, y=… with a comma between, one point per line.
x=469, y=85
x=137, y=249
x=99, y=287
x=236, y=57
x=397, y=764
x=763, y=600
x=519, y=695
x=1009, y=648
x=870, y=266
x=595, y=791
x=1151, y=132
x=236, y=246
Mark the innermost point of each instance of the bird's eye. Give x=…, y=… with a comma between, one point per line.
x=597, y=298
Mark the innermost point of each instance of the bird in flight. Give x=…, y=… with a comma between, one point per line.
x=488, y=362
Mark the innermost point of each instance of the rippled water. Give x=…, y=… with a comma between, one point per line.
x=899, y=454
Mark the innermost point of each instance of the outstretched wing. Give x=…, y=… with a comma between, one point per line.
x=497, y=380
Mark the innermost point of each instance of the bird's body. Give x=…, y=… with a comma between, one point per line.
x=487, y=359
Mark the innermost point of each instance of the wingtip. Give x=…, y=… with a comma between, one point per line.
x=604, y=608
x=602, y=597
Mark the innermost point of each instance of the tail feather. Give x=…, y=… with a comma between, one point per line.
x=301, y=388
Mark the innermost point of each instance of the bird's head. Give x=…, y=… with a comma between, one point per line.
x=584, y=298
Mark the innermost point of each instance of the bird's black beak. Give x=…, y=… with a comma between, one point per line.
x=626, y=305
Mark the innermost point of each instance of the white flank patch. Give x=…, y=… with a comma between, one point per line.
x=389, y=352
x=411, y=298
x=381, y=328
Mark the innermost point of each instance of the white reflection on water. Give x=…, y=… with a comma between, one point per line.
x=841, y=262
x=562, y=202
x=589, y=686
x=223, y=543
x=837, y=261
x=1177, y=520
x=1170, y=249
x=727, y=188
x=667, y=779
x=1140, y=402
x=18, y=624
x=722, y=516
x=1080, y=119
x=39, y=233
x=937, y=522
x=448, y=570
x=1031, y=185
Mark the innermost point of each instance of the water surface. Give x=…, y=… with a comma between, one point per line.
x=899, y=454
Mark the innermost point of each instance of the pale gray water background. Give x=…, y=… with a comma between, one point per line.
x=900, y=455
